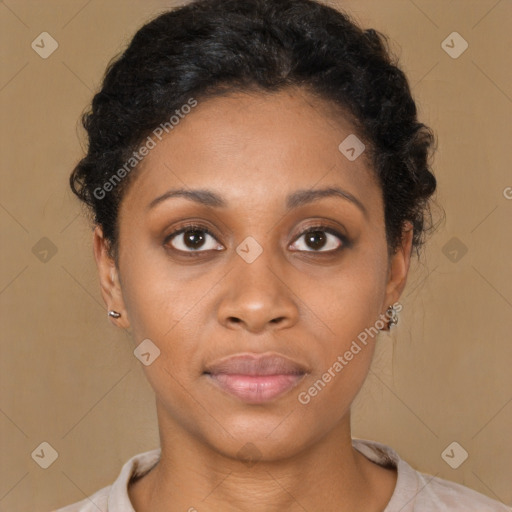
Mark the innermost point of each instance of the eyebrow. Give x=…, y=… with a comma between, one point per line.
x=302, y=197
x=294, y=200
x=204, y=197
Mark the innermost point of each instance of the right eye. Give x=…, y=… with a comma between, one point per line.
x=192, y=239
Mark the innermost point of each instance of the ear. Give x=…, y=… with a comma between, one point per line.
x=109, y=279
x=398, y=267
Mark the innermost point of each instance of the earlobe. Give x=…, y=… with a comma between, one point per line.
x=399, y=266
x=109, y=281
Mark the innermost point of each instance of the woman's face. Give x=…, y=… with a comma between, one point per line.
x=257, y=171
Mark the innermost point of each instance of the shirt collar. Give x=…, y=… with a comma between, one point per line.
x=402, y=499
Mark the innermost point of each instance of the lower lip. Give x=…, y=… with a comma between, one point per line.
x=256, y=389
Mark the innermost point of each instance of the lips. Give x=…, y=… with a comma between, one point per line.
x=256, y=378
x=256, y=364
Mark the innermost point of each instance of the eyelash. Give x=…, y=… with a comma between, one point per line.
x=345, y=243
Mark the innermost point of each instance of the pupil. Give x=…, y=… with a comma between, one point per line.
x=316, y=239
x=193, y=238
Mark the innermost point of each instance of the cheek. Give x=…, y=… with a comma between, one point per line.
x=164, y=309
x=157, y=294
x=168, y=306
x=329, y=395
x=346, y=301
x=349, y=309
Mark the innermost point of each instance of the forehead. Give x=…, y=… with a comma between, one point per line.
x=255, y=149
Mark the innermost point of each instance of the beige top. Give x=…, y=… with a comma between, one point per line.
x=414, y=491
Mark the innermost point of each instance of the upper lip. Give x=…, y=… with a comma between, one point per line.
x=256, y=364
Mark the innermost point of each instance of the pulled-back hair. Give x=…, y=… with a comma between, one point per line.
x=209, y=48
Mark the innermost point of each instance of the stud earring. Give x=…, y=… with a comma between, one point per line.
x=114, y=314
x=392, y=314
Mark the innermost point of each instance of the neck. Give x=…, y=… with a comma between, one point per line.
x=327, y=475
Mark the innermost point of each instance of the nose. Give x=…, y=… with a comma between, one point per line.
x=256, y=297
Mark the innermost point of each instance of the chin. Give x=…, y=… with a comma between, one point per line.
x=256, y=435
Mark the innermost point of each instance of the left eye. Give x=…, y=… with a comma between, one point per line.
x=319, y=240
x=193, y=239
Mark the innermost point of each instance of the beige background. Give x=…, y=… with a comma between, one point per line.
x=69, y=378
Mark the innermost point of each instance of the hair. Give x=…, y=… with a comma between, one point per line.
x=211, y=48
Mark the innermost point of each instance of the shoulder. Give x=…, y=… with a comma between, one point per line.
x=420, y=492
x=438, y=494
x=97, y=502
x=115, y=497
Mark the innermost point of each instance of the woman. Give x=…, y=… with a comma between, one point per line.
x=258, y=180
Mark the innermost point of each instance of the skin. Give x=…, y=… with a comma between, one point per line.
x=254, y=150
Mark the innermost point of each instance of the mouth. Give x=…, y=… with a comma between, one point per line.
x=256, y=378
